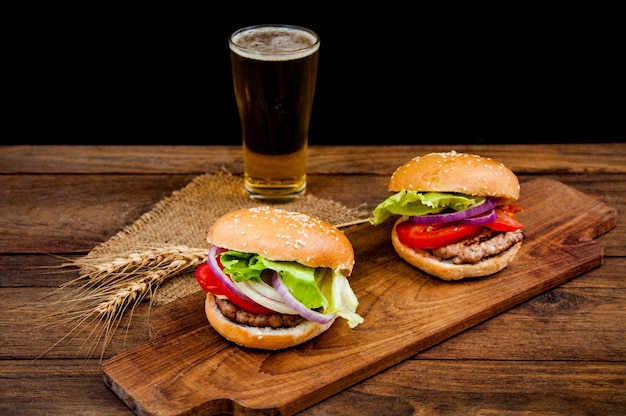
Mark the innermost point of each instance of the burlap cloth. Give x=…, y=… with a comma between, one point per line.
x=184, y=218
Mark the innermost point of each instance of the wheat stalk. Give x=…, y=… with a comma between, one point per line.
x=135, y=289
x=351, y=223
x=114, y=265
x=111, y=285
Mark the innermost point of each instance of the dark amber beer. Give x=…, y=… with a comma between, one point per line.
x=274, y=73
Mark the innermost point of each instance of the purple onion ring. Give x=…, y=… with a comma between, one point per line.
x=490, y=203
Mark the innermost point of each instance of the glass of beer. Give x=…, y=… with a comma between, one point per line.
x=274, y=73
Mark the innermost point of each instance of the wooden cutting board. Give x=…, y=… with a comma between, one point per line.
x=187, y=368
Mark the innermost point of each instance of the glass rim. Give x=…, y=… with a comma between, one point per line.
x=234, y=46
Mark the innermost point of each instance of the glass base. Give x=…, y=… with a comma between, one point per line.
x=275, y=194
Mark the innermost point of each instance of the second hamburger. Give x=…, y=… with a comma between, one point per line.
x=457, y=214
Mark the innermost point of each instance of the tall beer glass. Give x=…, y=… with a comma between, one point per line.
x=274, y=73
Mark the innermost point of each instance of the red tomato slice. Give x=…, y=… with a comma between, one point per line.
x=207, y=280
x=505, y=220
x=434, y=235
x=211, y=283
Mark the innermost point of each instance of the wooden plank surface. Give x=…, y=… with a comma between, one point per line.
x=367, y=160
x=187, y=366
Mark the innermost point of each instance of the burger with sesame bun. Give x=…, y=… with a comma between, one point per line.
x=276, y=278
x=456, y=214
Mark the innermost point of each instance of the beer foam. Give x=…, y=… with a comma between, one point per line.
x=274, y=43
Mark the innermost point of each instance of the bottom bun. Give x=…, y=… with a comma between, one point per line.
x=445, y=269
x=265, y=338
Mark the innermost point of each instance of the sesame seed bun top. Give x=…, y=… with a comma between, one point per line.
x=281, y=235
x=456, y=172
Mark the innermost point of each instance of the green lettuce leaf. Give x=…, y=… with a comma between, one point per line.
x=343, y=301
x=413, y=203
x=314, y=287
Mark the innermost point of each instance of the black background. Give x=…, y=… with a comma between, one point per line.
x=116, y=75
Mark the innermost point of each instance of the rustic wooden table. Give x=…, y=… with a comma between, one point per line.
x=562, y=352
